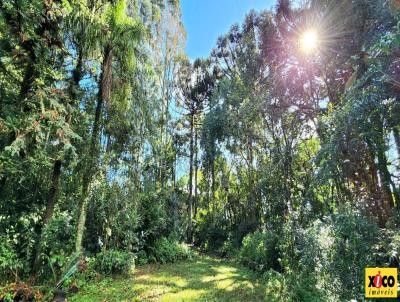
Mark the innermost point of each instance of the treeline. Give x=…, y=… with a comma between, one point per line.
x=113, y=143
x=85, y=94
x=300, y=147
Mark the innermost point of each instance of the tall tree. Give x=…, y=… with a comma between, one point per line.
x=121, y=34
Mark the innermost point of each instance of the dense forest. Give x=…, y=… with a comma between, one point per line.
x=280, y=151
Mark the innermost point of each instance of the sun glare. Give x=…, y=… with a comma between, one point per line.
x=309, y=41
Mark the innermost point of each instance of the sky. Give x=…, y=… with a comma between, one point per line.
x=206, y=20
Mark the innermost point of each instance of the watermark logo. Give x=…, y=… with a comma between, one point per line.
x=381, y=282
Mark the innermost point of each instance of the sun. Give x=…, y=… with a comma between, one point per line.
x=309, y=41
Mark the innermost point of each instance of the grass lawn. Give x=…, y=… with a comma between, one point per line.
x=202, y=279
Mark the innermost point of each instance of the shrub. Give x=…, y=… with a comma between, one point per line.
x=84, y=274
x=284, y=287
x=228, y=249
x=16, y=248
x=19, y=291
x=112, y=218
x=167, y=250
x=58, y=236
x=211, y=231
x=243, y=228
x=259, y=251
x=10, y=264
x=276, y=288
x=303, y=288
x=388, y=249
x=57, y=243
x=114, y=261
x=142, y=258
x=352, y=250
x=330, y=254
x=152, y=219
x=290, y=240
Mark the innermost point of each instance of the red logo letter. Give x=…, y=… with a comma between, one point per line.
x=378, y=280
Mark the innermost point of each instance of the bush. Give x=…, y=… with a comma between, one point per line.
x=57, y=245
x=330, y=254
x=167, y=250
x=284, y=287
x=142, y=258
x=153, y=219
x=276, y=288
x=114, y=261
x=355, y=236
x=17, y=242
x=211, y=231
x=112, y=218
x=10, y=264
x=303, y=288
x=388, y=249
x=19, y=291
x=59, y=236
x=259, y=251
x=228, y=249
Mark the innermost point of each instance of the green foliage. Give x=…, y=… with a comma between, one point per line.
x=69, y=269
x=113, y=218
x=141, y=258
x=355, y=237
x=337, y=248
x=276, y=285
x=203, y=279
x=58, y=237
x=114, y=261
x=388, y=249
x=259, y=251
x=100, y=111
x=167, y=250
x=211, y=231
x=159, y=215
x=56, y=263
x=284, y=287
x=10, y=263
x=228, y=249
x=303, y=288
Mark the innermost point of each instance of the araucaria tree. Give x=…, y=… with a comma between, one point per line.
x=281, y=148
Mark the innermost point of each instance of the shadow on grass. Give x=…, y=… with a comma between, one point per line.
x=202, y=279
x=207, y=279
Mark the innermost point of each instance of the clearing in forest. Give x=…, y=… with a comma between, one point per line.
x=202, y=279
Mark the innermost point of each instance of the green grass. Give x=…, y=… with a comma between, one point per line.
x=202, y=279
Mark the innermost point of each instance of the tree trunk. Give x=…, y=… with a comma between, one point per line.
x=52, y=197
x=212, y=178
x=385, y=176
x=174, y=166
x=195, y=172
x=190, y=210
x=51, y=201
x=396, y=135
x=251, y=193
x=102, y=97
x=27, y=81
